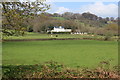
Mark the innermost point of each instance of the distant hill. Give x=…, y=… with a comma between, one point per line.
x=59, y=18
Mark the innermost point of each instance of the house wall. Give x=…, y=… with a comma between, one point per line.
x=60, y=29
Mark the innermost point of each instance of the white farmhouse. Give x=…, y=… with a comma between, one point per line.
x=59, y=29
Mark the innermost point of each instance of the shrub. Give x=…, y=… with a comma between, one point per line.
x=108, y=36
x=53, y=69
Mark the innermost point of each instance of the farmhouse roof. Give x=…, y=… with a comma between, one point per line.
x=58, y=27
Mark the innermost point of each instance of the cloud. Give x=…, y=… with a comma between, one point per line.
x=100, y=9
x=62, y=10
x=97, y=8
x=82, y=0
x=55, y=9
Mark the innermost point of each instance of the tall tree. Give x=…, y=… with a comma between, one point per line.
x=90, y=16
x=15, y=14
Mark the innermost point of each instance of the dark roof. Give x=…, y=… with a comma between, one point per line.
x=59, y=26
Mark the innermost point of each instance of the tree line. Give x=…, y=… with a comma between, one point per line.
x=85, y=22
x=19, y=17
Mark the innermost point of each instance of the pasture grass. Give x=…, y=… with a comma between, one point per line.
x=45, y=36
x=72, y=53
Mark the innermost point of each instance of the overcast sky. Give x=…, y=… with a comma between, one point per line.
x=103, y=9
x=74, y=0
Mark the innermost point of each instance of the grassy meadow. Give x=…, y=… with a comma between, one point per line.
x=72, y=53
x=31, y=35
x=39, y=41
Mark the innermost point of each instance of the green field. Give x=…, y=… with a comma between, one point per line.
x=72, y=53
x=39, y=36
x=30, y=35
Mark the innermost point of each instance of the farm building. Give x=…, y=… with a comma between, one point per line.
x=59, y=29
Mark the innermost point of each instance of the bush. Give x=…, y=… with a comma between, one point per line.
x=108, y=36
x=53, y=69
